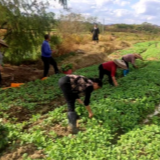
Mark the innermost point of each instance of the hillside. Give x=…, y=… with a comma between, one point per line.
x=34, y=122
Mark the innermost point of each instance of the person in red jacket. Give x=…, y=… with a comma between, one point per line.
x=110, y=68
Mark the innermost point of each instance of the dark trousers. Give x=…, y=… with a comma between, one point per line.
x=47, y=61
x=102, y=72
x=70, y=97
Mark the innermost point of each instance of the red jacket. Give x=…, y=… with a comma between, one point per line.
x=110, y=66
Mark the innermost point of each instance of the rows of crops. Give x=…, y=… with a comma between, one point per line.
x=149, y=50
x=116, y=132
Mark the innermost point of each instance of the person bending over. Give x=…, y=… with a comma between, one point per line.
x=109, y=68
x=130, y=58
x=72, y=86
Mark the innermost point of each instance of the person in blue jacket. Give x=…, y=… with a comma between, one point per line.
x=47, y=56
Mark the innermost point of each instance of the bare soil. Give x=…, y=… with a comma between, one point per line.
x=17, y=153
x=19, y=113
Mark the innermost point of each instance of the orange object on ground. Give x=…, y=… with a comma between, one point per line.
x=44, y=78
x=16, y=84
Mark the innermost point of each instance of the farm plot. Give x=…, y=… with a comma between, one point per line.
x=115, y=132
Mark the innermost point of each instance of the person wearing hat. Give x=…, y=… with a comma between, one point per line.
x=130, y=58
x=110, y=68
x=72, y=86
x=2, y=44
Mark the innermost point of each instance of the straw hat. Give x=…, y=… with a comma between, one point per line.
x=3, y=43
x=120, y=63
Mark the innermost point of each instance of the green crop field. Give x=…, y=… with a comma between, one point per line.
x=148, y=50
x=116, y=132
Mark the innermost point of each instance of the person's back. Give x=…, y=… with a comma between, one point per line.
x=45, y=49
x=129, y=58
x=110, y=65
x=79, y=83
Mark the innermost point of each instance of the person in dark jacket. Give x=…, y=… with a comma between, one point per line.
x=109, y=68
x=72, y=86
x=47, y=56
x=95, y=32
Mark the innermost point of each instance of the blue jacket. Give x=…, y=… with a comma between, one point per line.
x=45, y=49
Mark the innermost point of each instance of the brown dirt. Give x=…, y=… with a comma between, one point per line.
x=50, y=106
x=17, y=154
x=60, y=131
x=63, y=131
x=23, y=114
x=20, y=74
x=19, y=113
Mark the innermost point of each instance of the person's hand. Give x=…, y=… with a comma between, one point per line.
x=91, y=114
x=116, y=84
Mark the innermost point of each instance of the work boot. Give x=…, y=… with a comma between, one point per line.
x=72, y=117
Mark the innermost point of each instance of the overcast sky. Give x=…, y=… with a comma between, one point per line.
x=114, y=11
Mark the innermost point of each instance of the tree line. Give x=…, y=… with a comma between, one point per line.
x=144, y=27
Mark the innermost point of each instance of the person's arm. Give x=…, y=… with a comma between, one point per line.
x=87, y=100
x=113, y=73
x=133, y=60
x=115, y=81
x=87, y=107
x=138, y=57
x=135, y=66
x=89, y=111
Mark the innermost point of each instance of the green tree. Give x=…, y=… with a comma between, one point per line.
x=23, y=24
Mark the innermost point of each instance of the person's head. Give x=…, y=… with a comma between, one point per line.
x=47, y=37
x=136, y=56
x=97, y=83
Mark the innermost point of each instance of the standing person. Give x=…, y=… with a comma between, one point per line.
x=2, y=44
x=110, y=68
x=95, y=32
x=72, y=86
x=47, y=56
x=130, y=58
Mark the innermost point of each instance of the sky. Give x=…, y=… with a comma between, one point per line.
x=113, y=11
